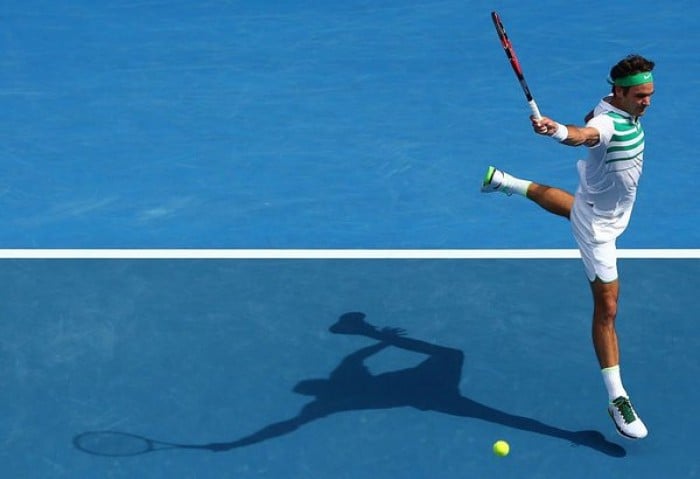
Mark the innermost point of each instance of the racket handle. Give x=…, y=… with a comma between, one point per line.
x=533, y=108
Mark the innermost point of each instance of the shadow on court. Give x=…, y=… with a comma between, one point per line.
x=432, y=385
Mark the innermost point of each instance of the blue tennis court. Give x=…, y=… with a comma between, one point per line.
x=219, y=126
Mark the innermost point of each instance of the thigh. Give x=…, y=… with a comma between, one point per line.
x=599, y=258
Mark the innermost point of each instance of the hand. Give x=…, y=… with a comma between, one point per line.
x=390, y=332
x=544, y=126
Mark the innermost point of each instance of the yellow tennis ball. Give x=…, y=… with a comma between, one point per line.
x=501, y=448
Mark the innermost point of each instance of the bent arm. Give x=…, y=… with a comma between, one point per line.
x=581, y=135
x=575, y=135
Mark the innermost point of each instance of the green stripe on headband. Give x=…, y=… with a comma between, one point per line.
x=632, y=80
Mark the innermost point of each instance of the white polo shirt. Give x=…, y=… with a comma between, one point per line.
x=608, y=178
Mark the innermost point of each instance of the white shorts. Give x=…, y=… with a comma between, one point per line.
x=599, y=255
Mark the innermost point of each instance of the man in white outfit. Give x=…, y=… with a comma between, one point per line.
x=600, y=210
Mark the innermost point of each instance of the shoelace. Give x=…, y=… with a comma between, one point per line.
x=625, y=407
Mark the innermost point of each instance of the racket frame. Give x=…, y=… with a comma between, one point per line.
x=515, y=63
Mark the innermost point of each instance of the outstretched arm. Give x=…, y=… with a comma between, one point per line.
x=268, y=432
x=571, y=135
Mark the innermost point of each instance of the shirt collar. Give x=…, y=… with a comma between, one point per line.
x=609, y=107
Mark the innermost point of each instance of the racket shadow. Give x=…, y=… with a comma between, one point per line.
x=432, y=385
x=121, y=444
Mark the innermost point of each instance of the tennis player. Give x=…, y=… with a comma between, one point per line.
x=600, y=210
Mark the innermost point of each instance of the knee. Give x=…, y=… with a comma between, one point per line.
x=605, y=311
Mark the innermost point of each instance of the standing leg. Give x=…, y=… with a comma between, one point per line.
x=605, y=343
x=605, y=296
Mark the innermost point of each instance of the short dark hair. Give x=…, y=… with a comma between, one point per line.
x=630, y=65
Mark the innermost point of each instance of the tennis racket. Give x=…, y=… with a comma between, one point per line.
x=515, y=63
x=117, y=444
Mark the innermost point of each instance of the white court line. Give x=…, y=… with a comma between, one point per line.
x=333, y=253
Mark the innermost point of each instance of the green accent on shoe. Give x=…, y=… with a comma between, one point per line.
x=624, y=405
x=488, y=176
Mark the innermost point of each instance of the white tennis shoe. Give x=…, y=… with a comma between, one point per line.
x=626, y=420
x=493, y=181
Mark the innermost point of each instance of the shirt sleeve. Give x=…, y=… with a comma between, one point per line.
x=605, y=126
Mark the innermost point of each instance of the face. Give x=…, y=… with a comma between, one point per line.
x=637, y=99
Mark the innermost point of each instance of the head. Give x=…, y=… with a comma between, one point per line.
x=632, y=84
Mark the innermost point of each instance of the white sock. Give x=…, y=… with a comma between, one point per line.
x=510, y=184
x=613, y=382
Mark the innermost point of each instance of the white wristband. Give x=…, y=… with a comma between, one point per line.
x=562, y=133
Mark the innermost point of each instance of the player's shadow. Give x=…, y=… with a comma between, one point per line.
x=432, y=385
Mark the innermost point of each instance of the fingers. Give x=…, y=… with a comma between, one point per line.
x=542, y=126
x=394, y=331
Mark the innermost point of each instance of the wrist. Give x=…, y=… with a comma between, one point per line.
x=561, y=133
